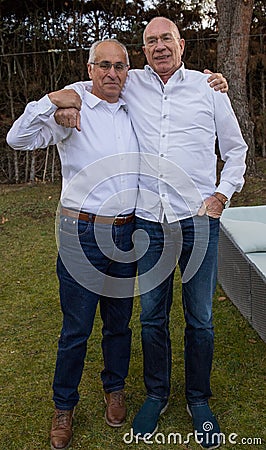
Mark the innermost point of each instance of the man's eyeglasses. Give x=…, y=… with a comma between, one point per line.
x=106, y=65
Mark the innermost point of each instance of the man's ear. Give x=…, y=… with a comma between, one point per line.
x=144, y=50
x=89, y=66
x=182, y=45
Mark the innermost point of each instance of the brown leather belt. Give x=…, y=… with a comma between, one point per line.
x=88, y=217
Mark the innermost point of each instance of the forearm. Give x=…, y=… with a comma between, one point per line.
x=36, y=127
x=68, y=112
x=232, y=175
x=232, y=148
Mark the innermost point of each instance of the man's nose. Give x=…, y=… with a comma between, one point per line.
x=160, y=44
x=112, y=72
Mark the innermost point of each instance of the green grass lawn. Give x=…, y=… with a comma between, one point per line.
x=30, y=326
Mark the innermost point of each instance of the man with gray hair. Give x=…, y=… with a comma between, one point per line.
x=97, y=209
x=177, y=119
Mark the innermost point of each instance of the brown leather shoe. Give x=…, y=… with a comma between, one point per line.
x=116, y=412
x=61, y=431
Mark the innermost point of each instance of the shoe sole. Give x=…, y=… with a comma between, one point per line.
x=164, y=409
x=205, y=448
x=188, y=411
x=113, y=425
x=65, y=448
x=156, y=428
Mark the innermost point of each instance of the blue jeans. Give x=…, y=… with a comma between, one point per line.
x=193, y=244
x=86, y=259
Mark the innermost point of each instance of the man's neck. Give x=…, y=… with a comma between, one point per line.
x=167, y=76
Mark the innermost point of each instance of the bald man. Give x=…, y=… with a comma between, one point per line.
x=177, y=119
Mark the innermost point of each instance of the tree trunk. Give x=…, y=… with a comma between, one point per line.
x=263, y=113
x=12, y=110
x=53, y=165
x=46, y=164
x=32, y=167
x=234, y=20
x=26, y=166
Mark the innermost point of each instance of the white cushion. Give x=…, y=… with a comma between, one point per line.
x=259, y=259
x=249, y=235
x=250, y=213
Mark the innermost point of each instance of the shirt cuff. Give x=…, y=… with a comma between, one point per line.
x=45, y=106
x=226, y=189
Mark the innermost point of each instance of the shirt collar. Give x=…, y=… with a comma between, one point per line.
x=92, y=100
x=179, y=74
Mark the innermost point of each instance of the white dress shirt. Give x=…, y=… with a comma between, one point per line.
x=100, y=164
x=177, y=125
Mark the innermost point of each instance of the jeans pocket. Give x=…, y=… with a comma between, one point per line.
x=73, y=227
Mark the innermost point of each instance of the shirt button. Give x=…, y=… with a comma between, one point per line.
x=163, y=195
x=162, y=155
x=161, y=175
x=163, y=135
x=164, y=116
x=165, y=97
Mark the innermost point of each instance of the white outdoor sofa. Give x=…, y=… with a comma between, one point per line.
x=242, y=262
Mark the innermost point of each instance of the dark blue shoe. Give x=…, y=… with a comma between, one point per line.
x=145, y=423
x=206, y=428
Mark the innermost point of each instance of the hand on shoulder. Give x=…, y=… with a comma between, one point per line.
x=217, y=81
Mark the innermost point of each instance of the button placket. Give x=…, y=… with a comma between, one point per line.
x=120, y=144
x=163, y=144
